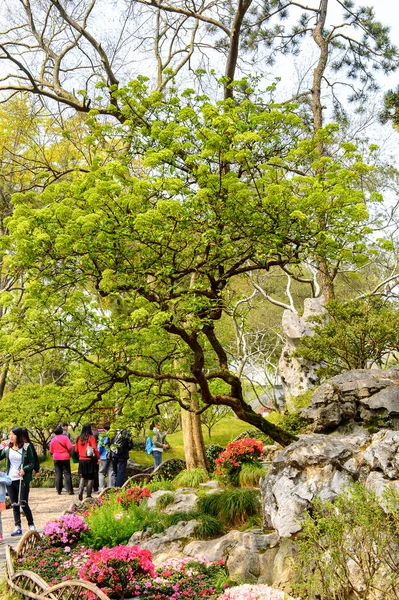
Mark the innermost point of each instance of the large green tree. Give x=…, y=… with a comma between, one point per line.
x=224, y=190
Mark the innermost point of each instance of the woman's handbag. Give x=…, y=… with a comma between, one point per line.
x=89, y=451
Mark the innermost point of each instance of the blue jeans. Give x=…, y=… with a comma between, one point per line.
x=157, y=458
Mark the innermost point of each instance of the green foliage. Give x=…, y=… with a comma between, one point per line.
x=160, y=484
x=291, y=422
x=212, y=453
x=178, y=516
x=349, y=548
x=169, y=469
x=353, y=335
x=232, y=506
x=208, y=527
x=164, y=501
x=119, y=274
x=301, y=401
x=250, y=474
x=191, y=478
x=111, y=526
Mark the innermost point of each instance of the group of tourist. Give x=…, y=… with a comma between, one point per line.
x=102, y=460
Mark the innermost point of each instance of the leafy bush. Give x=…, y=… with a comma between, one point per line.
x=237, y=453
x=250, y=474
x=112, y=525
x=208, y=527
x=233, y=506
x=349, y=548
x=191, y=478
x=118, y=570
x=212, y=452
x=290, y=422
x=169, y=469
x=164, y=501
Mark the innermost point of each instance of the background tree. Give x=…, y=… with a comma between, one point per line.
x=359, y=334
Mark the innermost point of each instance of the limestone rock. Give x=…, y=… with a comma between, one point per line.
x=298, y=375
x=170, y=542
x=360, y=396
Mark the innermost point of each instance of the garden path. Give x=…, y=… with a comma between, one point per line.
x=45, y=504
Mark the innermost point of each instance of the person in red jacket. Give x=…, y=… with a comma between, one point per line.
x=61, y=448
x=89, y=456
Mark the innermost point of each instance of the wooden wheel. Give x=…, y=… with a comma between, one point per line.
x=106, y=492
x=28, y=584
x=29, y=540
x=137, y=478
x=74, y=590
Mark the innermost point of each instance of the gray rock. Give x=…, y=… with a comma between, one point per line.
x=298, y=375
x=184, y=502
x=359, y=396
x=171, y=541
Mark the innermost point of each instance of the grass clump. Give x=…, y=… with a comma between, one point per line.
x=164, y=501
x=208, y=527
x=162, y=484
x=232, y=506
x=191, y=478
x=250, y=474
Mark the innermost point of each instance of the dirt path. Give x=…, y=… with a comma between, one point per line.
x=46, y=504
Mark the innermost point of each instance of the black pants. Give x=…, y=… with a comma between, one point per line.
x=13, y=492
x=119, y=471
x=63, y=467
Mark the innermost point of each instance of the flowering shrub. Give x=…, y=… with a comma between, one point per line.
x=229, y=462
x=118, y=571
x=254, y=592
x=187, y=579
x=54, y=564
x=126, y=496
x=66, y=530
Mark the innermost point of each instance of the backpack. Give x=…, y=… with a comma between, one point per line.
x=121, y=443
x=148, y=445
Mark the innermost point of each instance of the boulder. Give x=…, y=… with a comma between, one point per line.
x=242, y=551
x=369, y=397
x=167, y=544
x=320, y=466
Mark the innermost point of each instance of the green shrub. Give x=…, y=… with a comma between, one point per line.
x=212, y=452
x=290, y=422
x=110, y=525
x=161, y=484
x=208, y=527
x=169, y=469
x=349, y=548
x=191, y=478
x=164, y=501
x=233, y=506
x=250, y=474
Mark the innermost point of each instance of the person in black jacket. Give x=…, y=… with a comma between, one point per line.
x=121, y=444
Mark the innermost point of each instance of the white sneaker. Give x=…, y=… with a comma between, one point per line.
x=32, y=527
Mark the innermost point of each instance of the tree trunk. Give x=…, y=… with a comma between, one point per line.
x=3, y=380
x=193, y=440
